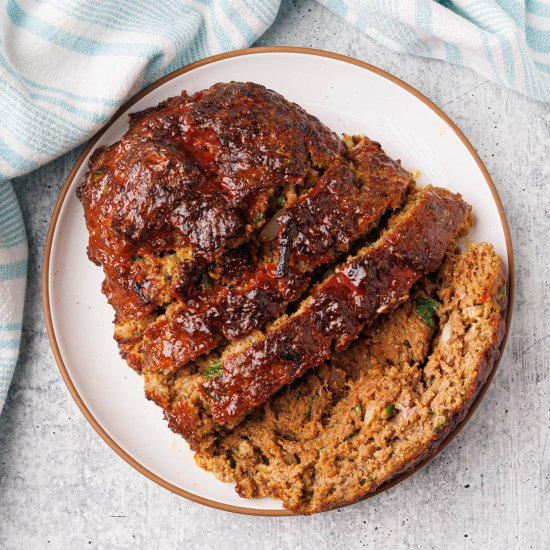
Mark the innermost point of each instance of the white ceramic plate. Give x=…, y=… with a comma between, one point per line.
x=348, y=96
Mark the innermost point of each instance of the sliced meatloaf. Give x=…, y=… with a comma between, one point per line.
x=320, y=225
x=378, y=408
x=374, y=281
x=210, y=215
x=283, y=292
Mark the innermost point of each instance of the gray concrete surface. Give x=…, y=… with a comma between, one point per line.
x=62, y=487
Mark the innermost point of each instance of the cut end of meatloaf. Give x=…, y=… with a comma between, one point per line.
x=380, y=407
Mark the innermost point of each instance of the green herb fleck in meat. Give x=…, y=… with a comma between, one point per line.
x=390, y=411
x=134, y=259
x=359, y=408
x=281, y=200
x=97, y=175
x=214, y=370
x=425, y=307
x=206, y=282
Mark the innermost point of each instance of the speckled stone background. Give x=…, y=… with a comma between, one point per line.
x=62, y=487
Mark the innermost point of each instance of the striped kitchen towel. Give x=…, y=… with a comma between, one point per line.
x=67, y=65
x=13, y=269
x=507, y=41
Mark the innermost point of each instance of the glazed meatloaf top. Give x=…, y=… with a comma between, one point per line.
x=192, y=177
x=212, y=213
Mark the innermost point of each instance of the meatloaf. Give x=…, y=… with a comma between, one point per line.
x=374, y=281
x=282, y=291
x=380, y=407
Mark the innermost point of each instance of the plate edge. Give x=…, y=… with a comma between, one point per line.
x=68, y=181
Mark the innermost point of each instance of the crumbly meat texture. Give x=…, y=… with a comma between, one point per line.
x=375, y=281
x=380, y=407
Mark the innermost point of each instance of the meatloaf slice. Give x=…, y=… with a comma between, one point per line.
x=319, y=226
x=374, y=281
x=380, y=407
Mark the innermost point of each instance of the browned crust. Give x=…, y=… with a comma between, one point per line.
x=342, y=207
